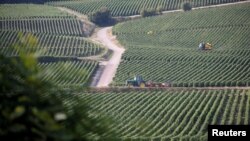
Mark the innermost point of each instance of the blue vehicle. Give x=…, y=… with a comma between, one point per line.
x=136, y=82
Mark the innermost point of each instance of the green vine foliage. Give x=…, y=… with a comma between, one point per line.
x=32, y=109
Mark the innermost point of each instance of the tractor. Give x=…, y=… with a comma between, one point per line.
x=136, y=82
x=139, y=82
x=205, y=46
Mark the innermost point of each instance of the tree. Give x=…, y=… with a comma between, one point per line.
x=32, y=109
x=101, y=17
x=187, y=6
x=148, y=12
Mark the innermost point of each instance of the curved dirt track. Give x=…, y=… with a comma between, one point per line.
x=112, y=65
x=104, y=37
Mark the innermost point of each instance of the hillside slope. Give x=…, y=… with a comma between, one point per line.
x=56, y=36
x=130, y=7
x=165, y=48
x=170, y=114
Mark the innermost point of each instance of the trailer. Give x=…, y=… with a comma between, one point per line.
x=139, y=82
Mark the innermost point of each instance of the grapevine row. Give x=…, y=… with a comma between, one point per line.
x=167, y=51
x=62, y=26
x=69, y=73
x=130, y=7
x=29, y=11
x=52, y=45
x=165, y=114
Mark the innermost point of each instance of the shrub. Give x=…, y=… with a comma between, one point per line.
x=237, y=83
x=148, y=12
x=228, y=83
x=180, y=84
x=207, y=84
x=185, y=84
x=191, y=84
x=101, y=17
x=244, y=83
x=233, y=83
x=217, y=84
x=212, y=84
x=187, y=6
x=197, y=84
x=201, y=84
x=174, y=84
x=222, y=84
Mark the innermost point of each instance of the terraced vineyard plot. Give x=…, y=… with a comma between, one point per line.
x=166, y=47
x=58, y=35
x=38, y=19
x=130, y=7
x=169, y=114
x=29, y=10
x=50, y=45
x=69, y=73
x=48, y=25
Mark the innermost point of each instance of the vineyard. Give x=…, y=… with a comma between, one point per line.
x=24, y=10
x=58, y=35
x=42, y=19
x=130, y=7
x=165, y=48
x=161, y=48
x=49, y=45
x=66, y=73
x=172, y=114
x=47, y=25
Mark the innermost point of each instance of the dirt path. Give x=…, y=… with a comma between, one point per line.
x=111, y=66
x=102, y=36
x=77, y=14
